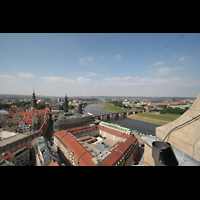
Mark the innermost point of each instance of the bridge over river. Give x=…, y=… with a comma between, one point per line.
x=117, y=114
x=141, y=126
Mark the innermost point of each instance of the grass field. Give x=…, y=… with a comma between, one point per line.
x=166, y=117
x=160, y=119
x=109, y=107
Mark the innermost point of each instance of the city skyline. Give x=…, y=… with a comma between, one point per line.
x=111, y=64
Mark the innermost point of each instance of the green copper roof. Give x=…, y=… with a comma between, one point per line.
x=116, y=126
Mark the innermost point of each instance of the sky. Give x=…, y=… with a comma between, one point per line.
x=100, y=64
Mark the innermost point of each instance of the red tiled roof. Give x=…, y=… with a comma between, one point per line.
x=43, y=125
x=46, y=111
x=24, y=109
x=24, y=145
x=84, y=157
x=119, y=150
x=78, y=128
x=36, y=112
x=27, y=119
x=80, y=152
x=113, y=159
x=7, y=155
x=53, y=163
x=177, y=102
x=26, y=113
x=92, y=140
x=8, y=115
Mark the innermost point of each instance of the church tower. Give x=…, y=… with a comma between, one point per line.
x=66, y=104
x=33, y=101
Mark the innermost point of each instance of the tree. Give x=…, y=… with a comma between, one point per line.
x=172, y=110
x=42, y=105
x=71, y=107
x=163, y=106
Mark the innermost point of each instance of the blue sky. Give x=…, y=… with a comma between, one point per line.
x=98, y=64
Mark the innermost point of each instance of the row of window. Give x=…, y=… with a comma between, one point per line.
x=66, y=151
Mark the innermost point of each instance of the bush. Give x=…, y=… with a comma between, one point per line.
x=173, y=110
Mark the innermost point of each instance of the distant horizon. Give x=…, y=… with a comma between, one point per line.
x=101, y=96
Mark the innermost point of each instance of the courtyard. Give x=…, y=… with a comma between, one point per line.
x=97, y=144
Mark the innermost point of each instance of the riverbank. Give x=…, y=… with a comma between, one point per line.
x=111, y=108
x=160, y=119
x=146, y=119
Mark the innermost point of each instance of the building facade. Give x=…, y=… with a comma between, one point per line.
x=69, y=120
x=42, y=152
x=17, y=140
x=27, y=123
x=75, y=145
x=19, y=156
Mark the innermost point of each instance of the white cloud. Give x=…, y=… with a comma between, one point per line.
x=82, y=79
x=155, y=64
x=152, y=82
x=121, y=79
x=127, y=78
x=56, y=79
x=103, y=56
x=64, y=79
x=136, y=78
x=8, y=79
x=68, y=80
x=180, y=67
x=91, y=74
x=6, y=76
x=84, y=61
x=89, y=58
x=184, y=58
x=165, y=70
x=25, y=75
x=158, y=63
x=113, y=79
x=117, y=56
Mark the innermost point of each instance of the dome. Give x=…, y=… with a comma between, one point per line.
x=4, y=112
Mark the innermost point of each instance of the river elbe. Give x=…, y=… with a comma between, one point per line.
x=141, y=126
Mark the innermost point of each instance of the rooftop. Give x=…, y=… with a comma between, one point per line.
x=109, y=156
x=11, y=139
x=4, y=112
x=6, y=134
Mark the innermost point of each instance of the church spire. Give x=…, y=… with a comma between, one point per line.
x=33, y=101
x=66, y=103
